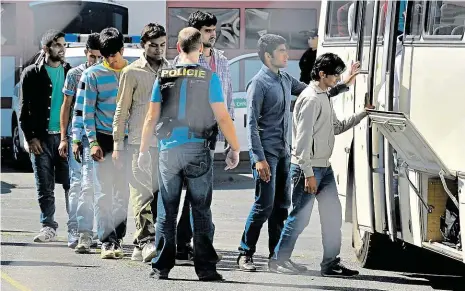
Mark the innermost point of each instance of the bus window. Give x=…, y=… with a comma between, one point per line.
x=289, y=23
x=415, y=18
x=369, y=18
x=340, y=23
x=227, y=28
x=445, y=18
x=234, y=69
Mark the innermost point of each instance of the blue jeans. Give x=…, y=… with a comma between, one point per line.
x=184, y=228
x=89, y=188
x=271, y=203
x=191, y=162
x=49, y=168
x=330, y=211
x=111, y=203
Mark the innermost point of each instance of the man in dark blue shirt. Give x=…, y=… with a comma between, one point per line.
x=268, y=115
x=187, y=102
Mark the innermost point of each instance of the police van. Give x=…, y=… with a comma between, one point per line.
x=76, y=44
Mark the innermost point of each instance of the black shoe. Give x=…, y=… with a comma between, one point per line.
x=286, y=267
x=246, y=263
x=159, y=274
x=210, y=276
x=185, y=257
x=338, y=270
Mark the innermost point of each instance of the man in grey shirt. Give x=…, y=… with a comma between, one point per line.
x=268, y=115
x=313, y=130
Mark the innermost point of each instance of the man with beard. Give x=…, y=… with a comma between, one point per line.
x=215, y=61
x=39, y=119
x=135, y=89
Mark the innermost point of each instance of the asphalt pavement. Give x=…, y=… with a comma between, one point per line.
x=26, y=265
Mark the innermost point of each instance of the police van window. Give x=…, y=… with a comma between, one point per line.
x=415, y=18
x=8, y=22
x=340, y=19
x=445, y=18
x=227, y=27
x=292, y=24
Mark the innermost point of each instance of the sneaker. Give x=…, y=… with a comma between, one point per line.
x=159, y=274
x=286, y=267
x=107, y=251
x=46, y=234
x=148, y=252
x=246, y=263
x=339, y=270
x=210, y=276
x=85, y=241
x=73, y=238
x=298, y=267
x=185, y=257
x=118, y=249
x=136, y=254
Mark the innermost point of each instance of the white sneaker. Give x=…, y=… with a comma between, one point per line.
x=46, y=234
x=85, y=241
x=136, y=254
x=148, y=252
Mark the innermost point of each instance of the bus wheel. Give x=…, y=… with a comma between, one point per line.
x=373, y=250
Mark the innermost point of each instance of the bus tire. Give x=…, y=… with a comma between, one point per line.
x=372, y=250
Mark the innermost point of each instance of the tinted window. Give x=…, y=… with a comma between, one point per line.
x=292, y=24
x=446, y=18
x=227, y=28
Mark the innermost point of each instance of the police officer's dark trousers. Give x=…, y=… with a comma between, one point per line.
x=193, y=162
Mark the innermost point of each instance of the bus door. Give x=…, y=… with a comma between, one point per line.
x=367, y=17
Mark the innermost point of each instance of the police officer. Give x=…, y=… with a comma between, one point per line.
x=187, y=103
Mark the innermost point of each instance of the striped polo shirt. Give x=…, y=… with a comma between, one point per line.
x=99, y=87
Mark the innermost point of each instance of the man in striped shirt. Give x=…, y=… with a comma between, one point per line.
x=135, y=89
x=99, y=85
x=80, y=174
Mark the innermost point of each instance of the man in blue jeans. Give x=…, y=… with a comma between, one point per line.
x=80, y=181
x=39, y=119
x=268, y=115
x=315, y=124
x=187, y=102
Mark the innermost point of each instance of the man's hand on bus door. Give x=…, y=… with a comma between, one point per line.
x=354, y=71
x=310, y=185
x=263, y=170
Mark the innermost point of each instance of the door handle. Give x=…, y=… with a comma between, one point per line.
x=245, y=120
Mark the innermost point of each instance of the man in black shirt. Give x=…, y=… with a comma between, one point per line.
x=308, y=58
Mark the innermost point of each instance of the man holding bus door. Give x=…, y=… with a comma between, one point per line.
x=313, y=130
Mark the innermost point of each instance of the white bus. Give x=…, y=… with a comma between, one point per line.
x=415, y=82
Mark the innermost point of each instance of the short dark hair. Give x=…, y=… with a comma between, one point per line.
x=152, y=31
x=268, y=43
x=50, y=36
x=329, y=63
x=111, y=41
x=198, y=19
x=189, y=39
x=93, y=42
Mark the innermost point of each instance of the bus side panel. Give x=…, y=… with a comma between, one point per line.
x=437, y=103
x=8, y=84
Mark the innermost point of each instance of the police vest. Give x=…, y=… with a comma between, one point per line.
x=185, y=102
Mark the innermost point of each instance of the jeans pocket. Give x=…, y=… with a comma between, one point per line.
x=196, y=164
